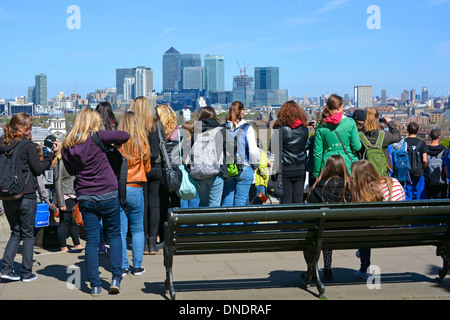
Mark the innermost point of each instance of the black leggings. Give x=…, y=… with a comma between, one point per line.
x=66, y=221
x=293, y=185
x=152, y=201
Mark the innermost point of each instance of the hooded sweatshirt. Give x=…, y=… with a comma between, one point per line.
x=30, y=163
x=329, y=191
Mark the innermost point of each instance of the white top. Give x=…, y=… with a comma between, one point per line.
x=251, y=139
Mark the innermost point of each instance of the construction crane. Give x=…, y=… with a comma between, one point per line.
x=243, y=70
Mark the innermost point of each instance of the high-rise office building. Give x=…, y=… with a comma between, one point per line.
x=144, y=81
x=267, y=78
x=140, y=86
x=383, y=98
x=412, y=95
x=40, y=90
x=172, y=70
x=189, y=60
x=424, y=95
x=214, y=72
x=363, y=97
x=31, y=93
x=243, y=89
x=121, y=74
x=193, y=78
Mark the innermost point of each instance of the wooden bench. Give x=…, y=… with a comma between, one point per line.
x=308, y=228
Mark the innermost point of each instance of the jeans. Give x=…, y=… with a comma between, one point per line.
x=107, y=211
x=236, y=189
x=210, y=191
x=415, y=190
x=259, y=189
x=194, y=203
x=134, y=218
x=21, y=216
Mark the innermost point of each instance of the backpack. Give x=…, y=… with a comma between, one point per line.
x=434, y=173
x=205, y=158
x=118, y=163
x=12, y=186
x=415, y=162
x=400, y=162
x=375, y=154
x=236, y=147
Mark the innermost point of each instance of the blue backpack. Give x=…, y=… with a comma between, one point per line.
x=400, y=162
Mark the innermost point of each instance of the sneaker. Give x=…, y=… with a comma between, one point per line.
x=101, y=248
x=10, y=276
x=125, y=272
x=95, y=292
x=362, y=275
x=29, y=277
x=138, y=271
x=115, y=287
x=357, y=254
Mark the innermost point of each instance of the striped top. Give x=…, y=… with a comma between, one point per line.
x=398, y=193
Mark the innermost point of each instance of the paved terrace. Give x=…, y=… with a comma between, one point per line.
x=406, y=274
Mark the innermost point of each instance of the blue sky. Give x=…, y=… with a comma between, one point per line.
x=319, y=46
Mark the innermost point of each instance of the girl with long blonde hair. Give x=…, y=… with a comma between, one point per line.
x=137, y=153
x=96, y=188
x=371, y=131
x=370, y=186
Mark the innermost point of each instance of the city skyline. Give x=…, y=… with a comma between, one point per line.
x=319, y=47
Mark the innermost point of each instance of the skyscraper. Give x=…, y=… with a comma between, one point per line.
x=171, y=70
x=190, y=60
x=214, y=72
x=363, y=97
x=40, y=90
x=267, y=78
x=424, y=95
x=144, y=81
x=243, y=89
x=383, y=98
x=193, y=78
x=121, y=74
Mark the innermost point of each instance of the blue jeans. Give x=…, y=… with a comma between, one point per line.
x=93, y=211
x=415, y=190
x=262, y=189
x=21, y=215
x=236, y=190
x=210, y=191
x=134, y=218
x=194, y=203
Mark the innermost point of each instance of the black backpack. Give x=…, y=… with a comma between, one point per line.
x=415, y=161
x=118, y=163
x=12, y=186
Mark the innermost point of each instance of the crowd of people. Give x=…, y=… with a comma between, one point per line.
x=347, y=159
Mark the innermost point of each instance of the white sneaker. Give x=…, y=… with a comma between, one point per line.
x=362, y=275
x=29, y=278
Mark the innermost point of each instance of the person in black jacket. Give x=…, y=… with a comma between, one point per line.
x=293, y=123
x=334, y=184
x=21, y=213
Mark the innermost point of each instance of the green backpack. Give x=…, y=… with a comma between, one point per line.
x=375, y=154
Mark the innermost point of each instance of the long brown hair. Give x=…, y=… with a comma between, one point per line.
x=235, y=112
x=368, y=180
x=334, y=102
x=142, y=108
x=333, y=169
x=289, y=112
x=11, y=130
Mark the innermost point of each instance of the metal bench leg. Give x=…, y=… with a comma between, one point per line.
x=168, y=263
x=443, y=250
x=312, y=258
